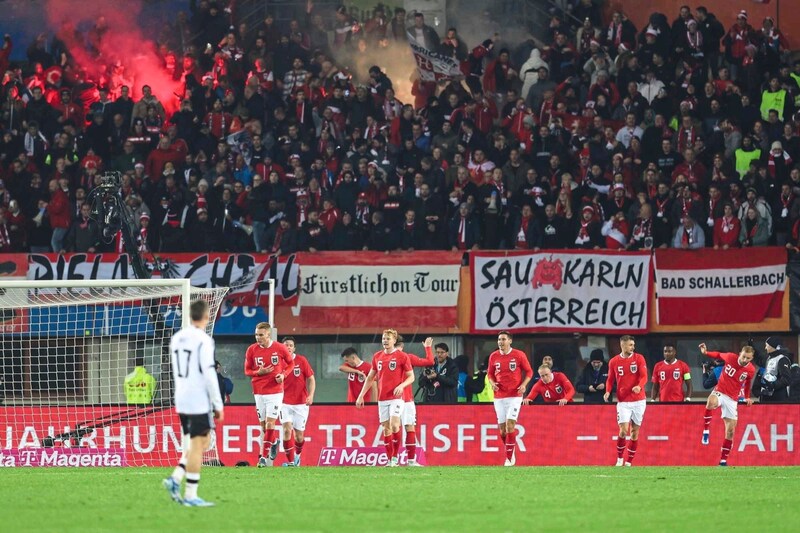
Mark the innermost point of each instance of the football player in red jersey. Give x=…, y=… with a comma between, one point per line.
x=737, y=374
x=298, y=395
x=356, y=371
x=629, y=371
x=554, y=387
x=669, y=376
x=268, y=363
x=509, y=374
x=410, y=408
x=393, y=371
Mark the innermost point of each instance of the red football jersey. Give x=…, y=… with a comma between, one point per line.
x=276, y=355
x=408, y=395
x=734, y=377
x=295, y=390
x=628, y=372
x=509, y=371
x=670, y=378
x=558, y=389
x=391, y=369
x=355, y=383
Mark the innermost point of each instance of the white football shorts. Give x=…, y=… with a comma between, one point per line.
x=296, y=414
x=409, y=414
x=631, y=412
x=390, y=409
x=507, y=408
x=268, y=405
x=730, y=407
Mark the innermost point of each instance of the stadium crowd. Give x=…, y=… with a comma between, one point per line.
x=677, y=134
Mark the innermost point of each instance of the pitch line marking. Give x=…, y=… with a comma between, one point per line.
x=587, y=437
x=658, y=437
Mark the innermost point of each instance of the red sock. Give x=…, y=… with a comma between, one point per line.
x=411, y=444
x=269, y=440
x=503, y=437
x=727, y=444
x=632, y=445
x=387, y=441
x=288, y=447
x=511, y=444
x=707, y=420
x=298, y=446
x=620, y=447
x=396, y=439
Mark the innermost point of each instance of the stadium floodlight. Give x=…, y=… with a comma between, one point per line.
x=85, y=363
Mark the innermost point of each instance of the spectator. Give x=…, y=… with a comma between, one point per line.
x=58, y=213
x=754, y=230
x=689, y=236
x=224, y=382
x=84, y=234
x=440, y=382
x=462, y=362
x=478, y=388
x=591, y=382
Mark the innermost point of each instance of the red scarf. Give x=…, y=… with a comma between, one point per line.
x=686, y=138
x=462, y=234
x=522, y=236
x=727, y=224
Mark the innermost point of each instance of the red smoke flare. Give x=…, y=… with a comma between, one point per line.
x=118, y=41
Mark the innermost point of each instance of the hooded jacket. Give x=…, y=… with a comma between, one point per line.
x=530, y=70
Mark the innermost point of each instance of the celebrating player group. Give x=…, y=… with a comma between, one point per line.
x=284, y=385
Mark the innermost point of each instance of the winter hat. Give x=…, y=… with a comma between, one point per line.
x=775, y=342
x=144, y=216
x=596, y=355
x=742, y=14
x=777, y=146
x=652, y=32
x=588, y=208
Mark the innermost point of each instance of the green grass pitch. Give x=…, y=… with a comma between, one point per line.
x=459, y=499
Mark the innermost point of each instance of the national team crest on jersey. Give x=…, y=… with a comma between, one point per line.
x=676, y=374
x=634, y=367
x=559, y=389
x=512, y=365
x=548, y=272
x=275, y=360
x=297, y=371
x=392, y=365
x=743, y=377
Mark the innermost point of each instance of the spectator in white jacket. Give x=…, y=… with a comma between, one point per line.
x=529, y=73
x=650, y=87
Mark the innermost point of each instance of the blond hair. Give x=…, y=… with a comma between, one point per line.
x=391, y=332
x=263, y=325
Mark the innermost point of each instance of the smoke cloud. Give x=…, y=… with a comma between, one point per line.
x=114, y=50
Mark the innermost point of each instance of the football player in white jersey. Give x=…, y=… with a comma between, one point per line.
x=197, y=400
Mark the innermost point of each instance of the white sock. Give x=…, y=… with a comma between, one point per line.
x=192, y=480
x=179, y=472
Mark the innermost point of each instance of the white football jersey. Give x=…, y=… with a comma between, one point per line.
x=196, y=388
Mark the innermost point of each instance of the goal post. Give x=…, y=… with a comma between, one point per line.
x=84, y=365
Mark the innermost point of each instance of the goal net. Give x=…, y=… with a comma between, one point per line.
x=85, y=375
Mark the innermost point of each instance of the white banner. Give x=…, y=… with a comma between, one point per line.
x=433, y=66
x=715, y=282
x=561, y=291
x=395, y=286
